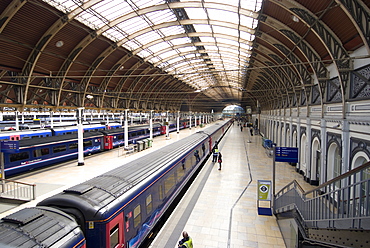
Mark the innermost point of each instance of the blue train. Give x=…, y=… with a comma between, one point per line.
x=119, y=208
x=59, y=145
x=61, y=130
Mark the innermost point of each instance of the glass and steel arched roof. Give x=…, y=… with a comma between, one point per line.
x=205, y=44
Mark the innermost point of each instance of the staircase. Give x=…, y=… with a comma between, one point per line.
x=334, y=214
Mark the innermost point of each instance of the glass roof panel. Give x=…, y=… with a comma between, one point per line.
x=217, y=54
x=148, y=37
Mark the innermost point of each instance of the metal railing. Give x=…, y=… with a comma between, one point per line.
x=17, y=190
x=341, y=203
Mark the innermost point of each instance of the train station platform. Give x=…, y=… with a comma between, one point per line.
x=54, y=179
x=220, y=208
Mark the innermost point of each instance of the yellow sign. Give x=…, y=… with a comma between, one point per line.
x=264, y=190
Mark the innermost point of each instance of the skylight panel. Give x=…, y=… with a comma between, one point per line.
x=246, y=36
x=225, y=30
x=186, y=49
x=144, y=53
x=226, y=41
x=208, y=39
x=145, y=3
x=168, y=54
x=161, y=16
x=148, y=37
x=91, y=19
x=172, y=30
x=154, y=60
x=134, y=24
x=246, y=21
x=115, y=34
x=223, y=15
x=159, y=47
x=131, y=45
x=112, y=9
x=63, y=5
x=179, y=41
x=202, y=28
x=196, y=13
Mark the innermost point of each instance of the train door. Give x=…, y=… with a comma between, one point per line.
x=108, y=142
x=163, y=129
x=114, y=232
x=15, y=137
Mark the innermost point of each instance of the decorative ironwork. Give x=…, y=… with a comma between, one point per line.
x=360, y=83
x=333, y=90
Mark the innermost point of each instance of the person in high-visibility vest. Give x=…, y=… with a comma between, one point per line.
x=186, y=241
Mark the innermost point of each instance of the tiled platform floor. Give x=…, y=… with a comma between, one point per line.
x=220, y=208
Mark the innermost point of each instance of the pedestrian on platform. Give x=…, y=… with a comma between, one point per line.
x=186, y=241
x=215, y=154
x=219, y=160
x=241, y=128
x=251, y=131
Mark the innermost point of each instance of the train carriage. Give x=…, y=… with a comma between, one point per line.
x=36, y=153
x=121, y=207
x=40, y=227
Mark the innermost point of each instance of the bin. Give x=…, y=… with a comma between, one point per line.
x=150, y=143
x=140, y=146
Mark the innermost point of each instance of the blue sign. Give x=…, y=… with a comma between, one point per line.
x=286, y=154
x=9, y=146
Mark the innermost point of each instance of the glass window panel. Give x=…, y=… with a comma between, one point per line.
x=168, y=54
x=161, y=16
x=159, y=47
x=196, y=13
x=172, y=30
x=144, y=53
x=222, y=15
x=133, y=25
x=179, y=41
x=148, y=37
x=202, y=28
x=137, y=216
x=226, y=41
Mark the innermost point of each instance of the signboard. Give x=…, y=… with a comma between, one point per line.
x=264, y=197
x=286, y=154
x=264, y=190
x=9, y=146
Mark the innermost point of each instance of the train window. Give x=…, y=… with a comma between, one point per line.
x=87, y=143
x=169, y=183
x=160, y=192
x=149, y=204
x=180, y=172
x=57, y=149
x=73, y=146
x=188, y=163
x=137, y=216
x=114, y=236
x=19, y=156
x=41, y=152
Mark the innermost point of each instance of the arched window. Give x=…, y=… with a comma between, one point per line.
x=334, y=162
x=303, y=149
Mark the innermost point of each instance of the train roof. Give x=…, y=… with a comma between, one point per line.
x=93, y=196
x=132, y=128
x=39, y=227
x=56, y=139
